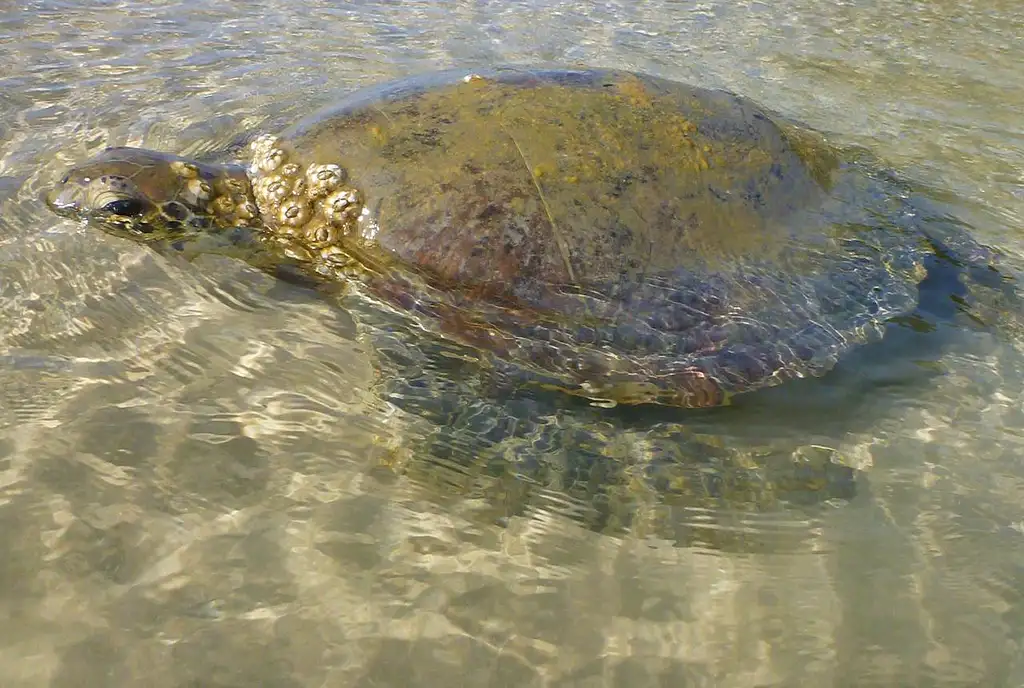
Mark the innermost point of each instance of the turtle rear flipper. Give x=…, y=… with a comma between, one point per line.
x=968, y=278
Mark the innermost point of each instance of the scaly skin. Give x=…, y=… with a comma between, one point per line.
x=146, y=195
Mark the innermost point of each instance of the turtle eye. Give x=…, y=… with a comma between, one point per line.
x=126, y=207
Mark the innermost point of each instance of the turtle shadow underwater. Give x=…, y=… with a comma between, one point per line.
x=726, y=477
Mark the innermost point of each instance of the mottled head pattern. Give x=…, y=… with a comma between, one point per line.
x=147, y=195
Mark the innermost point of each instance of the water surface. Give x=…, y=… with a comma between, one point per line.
x=203, y=482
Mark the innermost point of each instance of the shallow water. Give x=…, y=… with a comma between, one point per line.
x=203, y=482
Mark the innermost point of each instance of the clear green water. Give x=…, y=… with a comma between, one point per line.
x=200, y=484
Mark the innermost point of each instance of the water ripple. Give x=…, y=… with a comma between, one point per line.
x=207, y=476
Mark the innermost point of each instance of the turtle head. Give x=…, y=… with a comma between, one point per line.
x=146, y=195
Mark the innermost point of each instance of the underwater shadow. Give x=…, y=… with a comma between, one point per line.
x=753, y=476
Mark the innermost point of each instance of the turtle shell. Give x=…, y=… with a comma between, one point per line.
x=616, y=235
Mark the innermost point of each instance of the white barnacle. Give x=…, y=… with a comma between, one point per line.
x=185, y=170
x=291, y=173
x=223, y=206
x=272, y=189
x=294, y=213
x=198, y=190
x=341, y=207
x=270, y=161
x=321, y=234
x=263, y=143
x=246, y=210
x=323, y=179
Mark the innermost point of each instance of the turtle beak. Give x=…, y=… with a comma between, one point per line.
x=64, y=201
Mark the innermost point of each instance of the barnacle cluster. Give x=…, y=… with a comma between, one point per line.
x=224, y=196
x=310, y=204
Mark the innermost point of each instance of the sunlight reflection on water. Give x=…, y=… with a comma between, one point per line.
x=202, y=483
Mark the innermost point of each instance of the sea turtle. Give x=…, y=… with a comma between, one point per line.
x=618, y=236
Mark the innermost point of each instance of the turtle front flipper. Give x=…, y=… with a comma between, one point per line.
x=248, y=245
